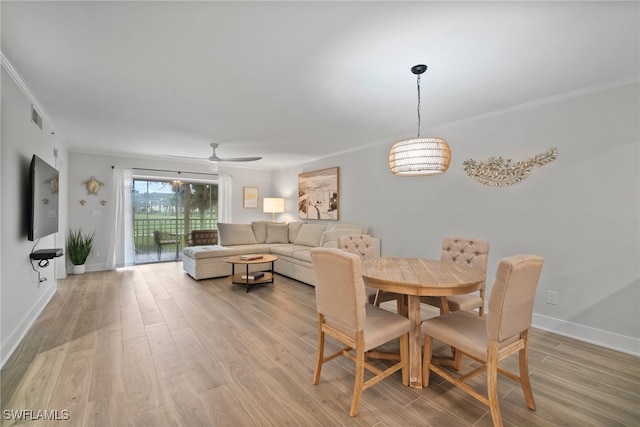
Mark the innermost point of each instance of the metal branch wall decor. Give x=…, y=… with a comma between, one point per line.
x=498, y=172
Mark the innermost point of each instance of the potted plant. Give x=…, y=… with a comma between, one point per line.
x=78, y=248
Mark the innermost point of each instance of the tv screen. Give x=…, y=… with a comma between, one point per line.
x=43, y=199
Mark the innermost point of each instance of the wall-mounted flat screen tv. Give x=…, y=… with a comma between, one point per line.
x=43, y=199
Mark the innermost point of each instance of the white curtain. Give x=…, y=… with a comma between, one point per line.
x=121, y=249
x=224, y=198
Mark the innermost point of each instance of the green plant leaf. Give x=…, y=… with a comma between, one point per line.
x=79, y=246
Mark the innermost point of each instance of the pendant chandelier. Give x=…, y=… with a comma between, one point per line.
x=421, y=155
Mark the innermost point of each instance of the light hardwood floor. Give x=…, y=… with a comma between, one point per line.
x=149, y=346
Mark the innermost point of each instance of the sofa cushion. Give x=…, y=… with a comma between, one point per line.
x=260, y=230
x=217, y=251
x=310, y=234
x=302, y=254
x=294, y=228
x=287, y=250
x=362, y=229
x=277, y=233
x=236, y=234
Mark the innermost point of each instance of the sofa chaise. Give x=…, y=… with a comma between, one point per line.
x=290, y=242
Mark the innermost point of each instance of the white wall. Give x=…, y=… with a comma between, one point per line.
x=581, y=212
x=22, y=297
x=93, y=216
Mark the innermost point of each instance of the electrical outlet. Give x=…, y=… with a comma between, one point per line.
x=552, y=297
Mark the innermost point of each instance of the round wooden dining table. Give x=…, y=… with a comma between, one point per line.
x=416, y=277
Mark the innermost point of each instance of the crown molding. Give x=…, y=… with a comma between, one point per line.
x=544, y=101
x=17, y=78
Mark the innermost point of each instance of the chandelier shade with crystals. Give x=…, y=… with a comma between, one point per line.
x=419, y=156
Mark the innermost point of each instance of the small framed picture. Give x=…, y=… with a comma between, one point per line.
x=250, y=197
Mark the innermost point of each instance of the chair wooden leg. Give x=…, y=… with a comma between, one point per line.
x=401, y=305
x=404, y=357
x=492, y=384
x=320, y=355
x=359, y=381
x=524, y=373
x=426, y=360
x=376, y=300
x=457, y=358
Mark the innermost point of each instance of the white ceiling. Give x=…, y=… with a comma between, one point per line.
x=293, y=81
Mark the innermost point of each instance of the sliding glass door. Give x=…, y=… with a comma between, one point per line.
x=165, y=212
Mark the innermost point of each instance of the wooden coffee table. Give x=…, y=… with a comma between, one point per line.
x=238, y=279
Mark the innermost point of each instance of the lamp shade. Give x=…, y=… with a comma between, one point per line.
x=273, y=205
x=420, y=156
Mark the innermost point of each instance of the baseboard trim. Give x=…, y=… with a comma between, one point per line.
x=588, y=334
x=11, y=343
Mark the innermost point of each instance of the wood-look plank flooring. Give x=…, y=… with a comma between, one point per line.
x=149, y=346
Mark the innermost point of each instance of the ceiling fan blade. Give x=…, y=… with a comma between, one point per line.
x=184, y=157
x=214, y=157
x=234, y=159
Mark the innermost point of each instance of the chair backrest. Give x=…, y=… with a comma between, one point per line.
x=162, y=238
x=340, y=293
x=512, y=296
x=467, y=252
x=204, y=237
x=359, y=244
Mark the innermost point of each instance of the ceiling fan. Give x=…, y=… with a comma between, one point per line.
x=215, y=159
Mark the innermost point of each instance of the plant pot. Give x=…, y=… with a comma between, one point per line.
x=78, y=269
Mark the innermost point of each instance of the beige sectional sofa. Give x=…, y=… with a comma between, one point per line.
x=290, y=242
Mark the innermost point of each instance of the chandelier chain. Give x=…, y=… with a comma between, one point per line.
x=418, y=108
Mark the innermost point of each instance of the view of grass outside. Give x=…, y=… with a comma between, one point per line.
x=167, y=211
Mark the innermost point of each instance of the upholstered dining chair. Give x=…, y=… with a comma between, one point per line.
x=502, y=332
x=344, y=315
x=467, y=252
x=362, y=245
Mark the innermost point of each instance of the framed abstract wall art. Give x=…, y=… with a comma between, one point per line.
x=318, y=193
x=250, y=197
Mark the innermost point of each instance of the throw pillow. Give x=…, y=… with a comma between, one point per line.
x=277, y=233
x=294, y=228
x=260, y=230
x=235, y=234
x=310, y=234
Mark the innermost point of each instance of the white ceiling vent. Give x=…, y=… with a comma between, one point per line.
x=36, y=118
